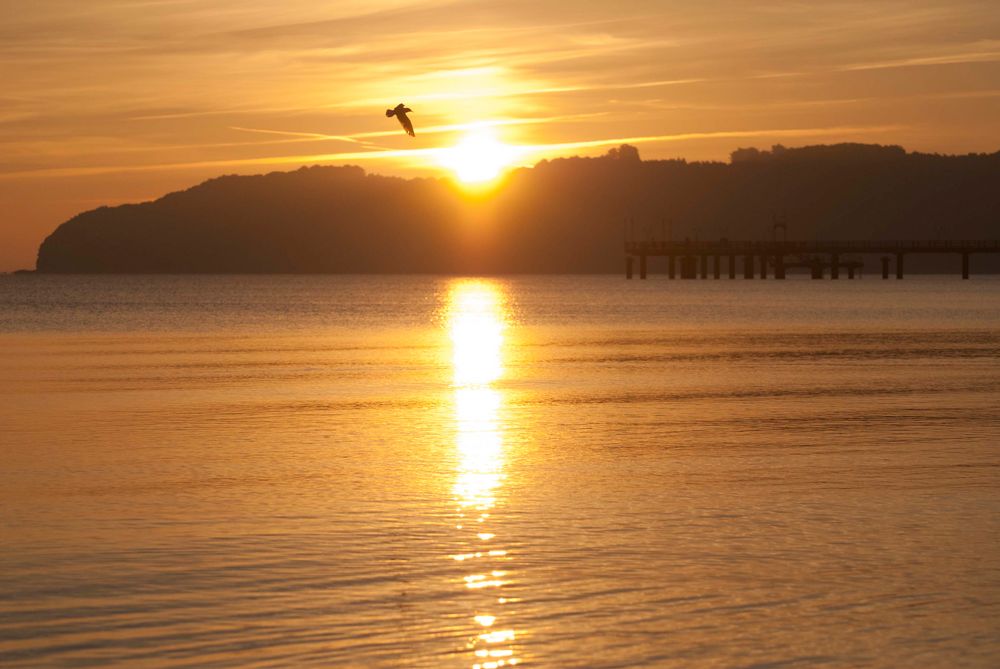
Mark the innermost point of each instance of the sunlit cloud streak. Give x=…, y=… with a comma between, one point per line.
x=921, y=61
x=430, y=130
x=430, y=154
x=679, y=137
x=299, y=137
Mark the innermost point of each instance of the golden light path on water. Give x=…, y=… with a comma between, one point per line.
x=476, y=321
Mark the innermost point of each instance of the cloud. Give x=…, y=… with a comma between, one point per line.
x=975, y=56
x=429, y=130
x=430, y=154
x=687, y=136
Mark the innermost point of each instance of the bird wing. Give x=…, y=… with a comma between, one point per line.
x=404, y=120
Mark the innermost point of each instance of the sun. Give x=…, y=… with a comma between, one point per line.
x=479, y=157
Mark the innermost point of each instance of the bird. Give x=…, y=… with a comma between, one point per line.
x=399, y=111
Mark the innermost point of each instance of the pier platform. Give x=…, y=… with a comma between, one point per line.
x=692, y=259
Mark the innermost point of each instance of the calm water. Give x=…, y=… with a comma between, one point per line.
x=552, y=472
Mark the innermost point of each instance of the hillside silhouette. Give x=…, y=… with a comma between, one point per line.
x=563, y=215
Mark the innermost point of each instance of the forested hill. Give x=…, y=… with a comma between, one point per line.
x=564, y=215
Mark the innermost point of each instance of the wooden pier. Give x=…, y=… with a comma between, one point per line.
x=691, y=259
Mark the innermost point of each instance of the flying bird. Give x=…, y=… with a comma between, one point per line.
x=400, y=112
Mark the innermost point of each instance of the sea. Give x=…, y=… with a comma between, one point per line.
x=487, y=472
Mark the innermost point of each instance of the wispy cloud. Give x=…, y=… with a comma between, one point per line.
x=429, y=130
x=429, y=155
x=840, y=131
x=976, y=56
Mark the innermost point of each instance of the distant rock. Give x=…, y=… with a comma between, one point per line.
x=563, y=215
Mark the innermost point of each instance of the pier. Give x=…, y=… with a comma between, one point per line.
x=698, y=259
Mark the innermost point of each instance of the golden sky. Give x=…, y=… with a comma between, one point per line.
x=110, y=101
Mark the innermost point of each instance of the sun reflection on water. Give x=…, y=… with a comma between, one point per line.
x=476, y=322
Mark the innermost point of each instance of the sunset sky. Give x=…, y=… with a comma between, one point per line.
x=111, y=101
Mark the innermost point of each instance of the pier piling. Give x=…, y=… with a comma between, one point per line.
x=689, y=268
